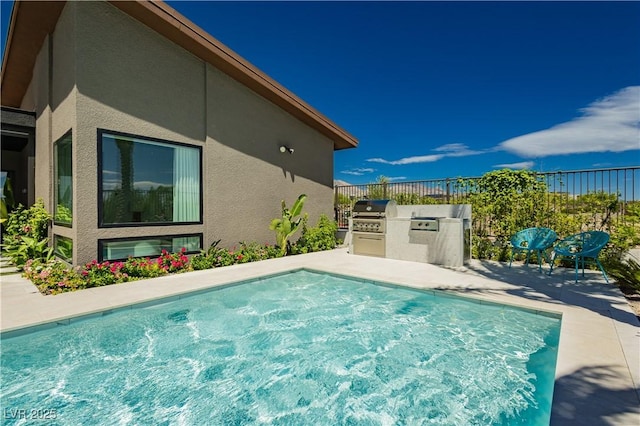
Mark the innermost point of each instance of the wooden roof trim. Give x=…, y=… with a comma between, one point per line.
x=31, y=22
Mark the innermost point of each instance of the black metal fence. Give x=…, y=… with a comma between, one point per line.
x=566, y=192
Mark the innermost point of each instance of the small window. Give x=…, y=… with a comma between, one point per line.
x=63, y=248
x=121, y=248
x=63, y=182
x=143, y=181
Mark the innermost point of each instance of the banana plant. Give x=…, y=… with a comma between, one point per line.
x=286, y=226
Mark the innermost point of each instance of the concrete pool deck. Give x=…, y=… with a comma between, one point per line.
x=598, y=367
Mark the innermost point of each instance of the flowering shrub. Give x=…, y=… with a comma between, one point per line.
x=174, y=262
x=53, y=277
x=142, y=268
x=105, y=273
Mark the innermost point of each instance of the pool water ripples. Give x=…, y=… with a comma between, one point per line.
x=300, y=348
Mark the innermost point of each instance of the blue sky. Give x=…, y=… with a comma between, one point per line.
x=445, y=89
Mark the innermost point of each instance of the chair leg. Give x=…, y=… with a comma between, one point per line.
x=511, y=260
x=553, y=260
x=603, y=272
x=576, y=265
x=539, y=253
x=546, y=257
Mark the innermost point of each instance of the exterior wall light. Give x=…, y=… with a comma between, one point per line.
x=284, y=148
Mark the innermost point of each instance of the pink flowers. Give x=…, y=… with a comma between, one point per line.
x=173, y=262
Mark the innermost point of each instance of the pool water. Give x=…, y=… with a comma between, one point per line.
x=302, y=348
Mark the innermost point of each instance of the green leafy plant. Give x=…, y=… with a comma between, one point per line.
x=26, y=234
x=252, y=252
x=625, y=272
x=288, y=224
x=30, y=222
x=508, y=200
x=247, y=252
x=317, y=238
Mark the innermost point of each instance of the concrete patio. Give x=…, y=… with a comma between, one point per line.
x=598, y=367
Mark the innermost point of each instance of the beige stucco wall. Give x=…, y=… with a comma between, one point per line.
x=38, y=101
x=250, y=176
x=111, y=72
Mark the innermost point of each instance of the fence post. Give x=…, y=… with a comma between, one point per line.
x=448, y=186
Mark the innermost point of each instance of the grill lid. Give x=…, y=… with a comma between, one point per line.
x=375, y=208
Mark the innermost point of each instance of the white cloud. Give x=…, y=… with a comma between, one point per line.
x=392, y=179
x=522, y=165
x=408, y=160
x=608, y=124
x=448, y=150
x=457, y=150
x=358, y=171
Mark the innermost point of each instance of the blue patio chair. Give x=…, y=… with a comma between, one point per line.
x=536, y=240
x=585, y=245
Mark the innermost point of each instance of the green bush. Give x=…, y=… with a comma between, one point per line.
x=247, y=252
x=318, y=238
x=29, y=222
x=26, y=234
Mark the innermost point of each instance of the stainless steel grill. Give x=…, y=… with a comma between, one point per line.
x=425, y=223
x=368, y=226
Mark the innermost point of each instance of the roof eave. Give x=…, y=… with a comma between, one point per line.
x=32, y=21
x=168, y=22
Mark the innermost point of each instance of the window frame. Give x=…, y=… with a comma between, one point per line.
x=100, y=133
x=102, y=241
x=56, y=168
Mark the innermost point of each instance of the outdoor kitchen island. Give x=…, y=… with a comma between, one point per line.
x=438, y=234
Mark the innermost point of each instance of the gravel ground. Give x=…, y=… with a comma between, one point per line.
x=634, y=301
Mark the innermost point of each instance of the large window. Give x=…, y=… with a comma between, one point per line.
x=150, y=182
x=63, y=181
x=122, y=248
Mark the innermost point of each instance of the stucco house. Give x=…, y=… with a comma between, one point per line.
x=140, y=131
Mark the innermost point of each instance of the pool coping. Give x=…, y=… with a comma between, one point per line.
x=598, y=367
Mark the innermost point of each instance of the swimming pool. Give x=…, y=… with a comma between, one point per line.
x=297, y=348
